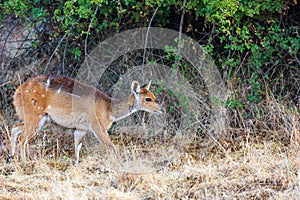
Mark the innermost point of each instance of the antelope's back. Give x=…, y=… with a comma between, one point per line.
x=31, y=98
x=42, y=93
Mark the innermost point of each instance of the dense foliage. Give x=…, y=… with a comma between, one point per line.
x=255, y=43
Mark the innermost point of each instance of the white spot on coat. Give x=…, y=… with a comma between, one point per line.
x=74, y=95
x=48, y=83
x=59, y=90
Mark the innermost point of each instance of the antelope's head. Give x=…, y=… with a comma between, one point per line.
x=145, y=99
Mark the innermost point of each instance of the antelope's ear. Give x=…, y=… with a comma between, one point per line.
x=147, y=86
x=135, y=87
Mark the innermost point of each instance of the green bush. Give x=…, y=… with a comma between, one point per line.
x=246, y=37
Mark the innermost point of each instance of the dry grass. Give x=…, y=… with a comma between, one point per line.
x=259, y=159
x=177, y=169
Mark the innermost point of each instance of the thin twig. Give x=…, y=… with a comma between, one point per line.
x=5, y=83
x=238, y=69
x=179, y=45
x=147, y=34
x=86, y=41
x=87, y=35
x=63, y=60
x=180, y=34
x=54, y=52
x=297, y=60
x=23, y=42
x=6, y=39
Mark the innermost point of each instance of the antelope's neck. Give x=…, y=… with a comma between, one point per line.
x=121, y=108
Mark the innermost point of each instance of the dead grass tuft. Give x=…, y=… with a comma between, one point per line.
x=245, y=169
x=258, y=159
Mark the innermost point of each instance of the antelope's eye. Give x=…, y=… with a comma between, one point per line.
x=148, y=99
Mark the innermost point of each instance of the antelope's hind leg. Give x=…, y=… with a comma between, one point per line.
x=24, y=133
x=15, y=132
x=78, y=137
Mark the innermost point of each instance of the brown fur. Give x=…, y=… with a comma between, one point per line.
x=72, y=104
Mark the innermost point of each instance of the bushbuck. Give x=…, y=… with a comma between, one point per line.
x=72, y=104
